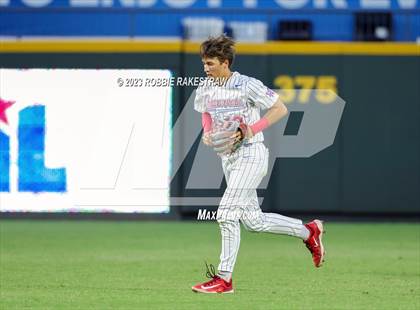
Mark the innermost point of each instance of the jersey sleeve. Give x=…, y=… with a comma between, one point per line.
x=260, y=95
x=199, y=103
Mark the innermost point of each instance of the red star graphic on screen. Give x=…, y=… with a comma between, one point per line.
x=4, y=105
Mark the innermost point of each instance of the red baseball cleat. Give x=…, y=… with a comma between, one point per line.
x=215, y=285
x=314, y=242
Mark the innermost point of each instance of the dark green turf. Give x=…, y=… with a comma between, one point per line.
x=138, y=265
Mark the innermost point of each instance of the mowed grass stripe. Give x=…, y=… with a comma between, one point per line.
x=134, y=265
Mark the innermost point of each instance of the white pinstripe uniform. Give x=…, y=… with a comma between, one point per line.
x=244, y=169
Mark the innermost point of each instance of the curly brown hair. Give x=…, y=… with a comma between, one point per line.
x=221, y=47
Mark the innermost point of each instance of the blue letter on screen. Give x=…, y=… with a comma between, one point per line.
x=33, y=175
x=4, y=163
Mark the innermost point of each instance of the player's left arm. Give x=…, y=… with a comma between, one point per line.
x=276, y=112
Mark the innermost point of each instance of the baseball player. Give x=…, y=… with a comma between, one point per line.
x=233, y=127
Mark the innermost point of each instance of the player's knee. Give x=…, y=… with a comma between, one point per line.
x=229, y=227
x=222, y=220
x=227, y=224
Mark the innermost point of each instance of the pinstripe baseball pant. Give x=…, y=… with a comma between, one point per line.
x=244, y=171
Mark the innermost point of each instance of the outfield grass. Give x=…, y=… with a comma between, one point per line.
x=137, y=265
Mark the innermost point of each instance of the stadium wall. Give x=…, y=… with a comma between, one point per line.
x=331, y=20
x=373, y=165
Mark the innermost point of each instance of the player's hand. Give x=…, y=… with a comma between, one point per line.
x=206, y=139
x=249, y=133
x=238, y=135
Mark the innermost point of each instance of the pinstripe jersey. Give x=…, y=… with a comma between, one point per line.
x=244, y=169
x=241, y=95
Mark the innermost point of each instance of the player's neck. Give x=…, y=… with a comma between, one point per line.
x=223, y=78
x=227, y=74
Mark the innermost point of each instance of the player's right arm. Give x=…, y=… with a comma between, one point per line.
x=200, y=106
x=207, y=125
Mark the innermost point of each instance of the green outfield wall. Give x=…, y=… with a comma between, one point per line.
x=373, y=165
